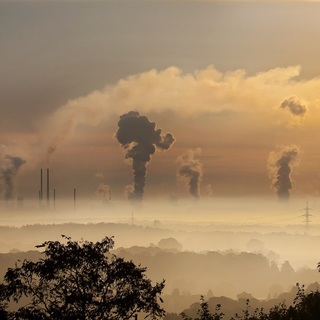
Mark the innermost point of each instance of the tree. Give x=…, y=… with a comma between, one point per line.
x=305, y=307
x=82, y=280
x=3, y=306
x=204, y=312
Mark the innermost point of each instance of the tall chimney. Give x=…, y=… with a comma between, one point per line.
x=54, y=198
x=41, y=185
x=48, y=188
x=74, y=198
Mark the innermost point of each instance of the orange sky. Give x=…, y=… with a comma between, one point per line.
x=214, y=75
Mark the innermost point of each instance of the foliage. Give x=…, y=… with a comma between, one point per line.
x=305, y=307
x=3, y=306
x=204, y=312
x=81, y=280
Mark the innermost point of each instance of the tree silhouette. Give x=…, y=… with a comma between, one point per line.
x=204, y=312
x=305, y=307
x=81, y=280
x=3, y=306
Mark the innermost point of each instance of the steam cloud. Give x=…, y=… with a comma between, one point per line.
x=280, y=168
x=294, y=106
x=9, y=166
x=209, y=190
x=140, y=139
x=191, y=169
x=128, y=190
x=103, y=192
x=185, y=94
x=204, y=91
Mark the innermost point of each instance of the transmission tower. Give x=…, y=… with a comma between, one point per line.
x=307, y=216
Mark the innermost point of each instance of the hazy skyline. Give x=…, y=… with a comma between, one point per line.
x=238, y=80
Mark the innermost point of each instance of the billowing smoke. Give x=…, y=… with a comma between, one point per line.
x=128, y=190
x=140, y=138
x=9, y=167
x=280, y=165
x=204, y=91
x=191, y=170
x=295, y=106
x=209, y=190
x=103, y=192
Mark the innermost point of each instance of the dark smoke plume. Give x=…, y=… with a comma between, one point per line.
x=140, y=138
x=191, y=169
x=280, y=166
x=294, y=106
x=9, y=167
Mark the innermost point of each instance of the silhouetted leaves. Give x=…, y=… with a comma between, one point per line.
x=204, y=312
x=81, y=280
x=305, y=307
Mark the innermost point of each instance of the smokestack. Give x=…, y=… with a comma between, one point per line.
x=74, y=198
x=280, y=166
x=41, y=185
x=140, y=139
x=48, y=189
x=54, y=198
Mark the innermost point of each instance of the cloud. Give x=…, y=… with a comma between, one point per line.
x=201, y=92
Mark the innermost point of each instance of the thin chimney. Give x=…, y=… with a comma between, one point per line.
x=41, y=185
x=54, y=198
x=48, y=188
x=74, y=198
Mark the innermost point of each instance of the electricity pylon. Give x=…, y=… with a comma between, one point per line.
x=307, y=216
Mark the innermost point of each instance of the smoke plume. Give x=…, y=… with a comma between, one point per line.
x=103, y=192
x=140, y=138
x=9, y=166
x=128, y=190
x=280, y=166
x=295, y=106
x=191, y=170
x=209, y=190
x=204, y=91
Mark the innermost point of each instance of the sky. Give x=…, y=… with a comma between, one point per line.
x=236, y=84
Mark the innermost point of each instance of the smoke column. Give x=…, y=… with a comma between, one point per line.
x=191, y=169
x=9, y=167
x=140, y=139
x=294, y=106
x=209, y=191
x=103, y=192
x=280, y=166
